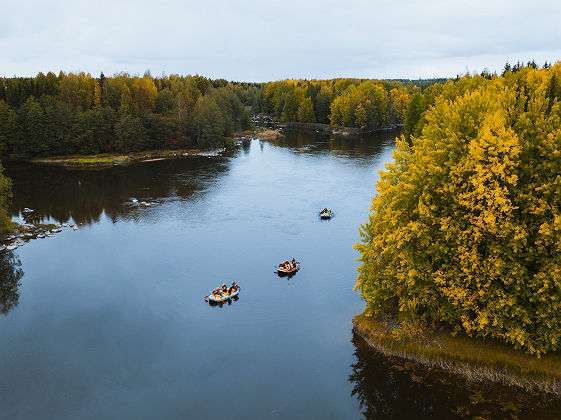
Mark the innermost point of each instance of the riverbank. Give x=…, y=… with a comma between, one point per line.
x=327, y=128
x=110, y=160
x=20, y=234
x=475, y=359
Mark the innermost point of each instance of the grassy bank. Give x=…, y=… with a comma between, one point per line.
x=475, y=359
x=108, y=160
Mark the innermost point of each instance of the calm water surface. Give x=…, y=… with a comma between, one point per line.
x=110, y=322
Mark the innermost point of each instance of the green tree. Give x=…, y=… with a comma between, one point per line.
x=31, y=139
x=130, y=135
x=8, y=127
x=245, y=120
x=209, y=123
x=323, y=100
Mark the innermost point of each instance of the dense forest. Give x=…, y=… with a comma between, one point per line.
x=78, y=114
x=465, y=227
x=70, y=114
x=363, y=104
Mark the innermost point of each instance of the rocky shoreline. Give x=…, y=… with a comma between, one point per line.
x=23, y=233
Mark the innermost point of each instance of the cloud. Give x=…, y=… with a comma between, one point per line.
x=261, y=41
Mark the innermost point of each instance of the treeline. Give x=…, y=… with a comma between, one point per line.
x=465, y=228
x=78, y=114
x=422, y=100
x=363, y=104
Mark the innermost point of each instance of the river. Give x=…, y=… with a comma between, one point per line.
x=109, y=321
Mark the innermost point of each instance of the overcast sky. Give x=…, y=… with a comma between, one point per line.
x=253, y=40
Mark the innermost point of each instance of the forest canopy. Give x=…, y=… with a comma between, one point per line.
x=465, y=228
x=70, y=113
x=363, y=104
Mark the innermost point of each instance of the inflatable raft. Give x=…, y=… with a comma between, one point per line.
x=282, y=271
x=327, y=215
x=223, y=297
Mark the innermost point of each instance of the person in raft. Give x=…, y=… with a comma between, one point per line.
x=224, y=288
x=234, y=287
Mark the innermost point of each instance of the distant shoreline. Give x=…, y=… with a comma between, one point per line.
x=110, y=160
x=473, y=358
x=327, y=128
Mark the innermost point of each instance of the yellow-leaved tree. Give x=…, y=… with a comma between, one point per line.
x=465, y=228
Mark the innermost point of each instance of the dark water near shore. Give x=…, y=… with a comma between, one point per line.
x=109, y=321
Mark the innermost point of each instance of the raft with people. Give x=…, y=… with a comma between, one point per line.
x=288, y=267
x=221, y=294
x=326, y=214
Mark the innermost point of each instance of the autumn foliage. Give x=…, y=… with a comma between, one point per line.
x=363, y=104
x=465, y=227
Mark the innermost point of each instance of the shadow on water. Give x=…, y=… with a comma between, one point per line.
x=388, y=387
x=227, y=302
x=60, y=194
x=10, y=276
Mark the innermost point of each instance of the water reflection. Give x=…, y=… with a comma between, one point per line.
x=130, y=335
x=246, y=145
x=10, y=276
x=223, y=304
x=59, y=194
x=395, y=388
x=349, y=146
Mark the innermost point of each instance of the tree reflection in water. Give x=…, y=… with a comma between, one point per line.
x=388, y=387
x=10, y=276
x=59, y=195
